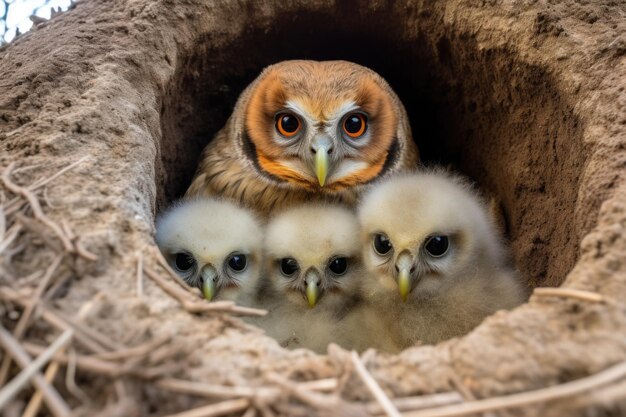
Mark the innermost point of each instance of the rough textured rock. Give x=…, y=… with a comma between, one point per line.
x=527, y=98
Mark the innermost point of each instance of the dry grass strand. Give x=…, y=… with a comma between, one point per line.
x=543, y=395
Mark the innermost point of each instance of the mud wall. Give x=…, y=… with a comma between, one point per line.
x=526, y=98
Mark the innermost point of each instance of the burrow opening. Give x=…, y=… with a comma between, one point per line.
x=500, y=121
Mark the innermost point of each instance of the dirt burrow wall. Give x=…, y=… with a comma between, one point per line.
x=527, y=98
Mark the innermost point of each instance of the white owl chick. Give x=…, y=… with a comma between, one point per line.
x=314, y=270
x=213, y=245
x=439, y=265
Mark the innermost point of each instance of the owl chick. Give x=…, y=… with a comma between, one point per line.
x=213, y=245
x=314, y=270
x=306, y=131
x=439, y=263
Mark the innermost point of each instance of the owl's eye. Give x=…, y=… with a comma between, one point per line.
x=437, y=246
x=184, y=262
x=382, y=244
x=287, y=124
x=288, y=266
x=338, y=266
x=355, y=125
x=237, y=262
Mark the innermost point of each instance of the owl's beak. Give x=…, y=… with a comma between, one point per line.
x=321, y=146
x=312, y=280
x=321, y=165
x=403, y=263
x=209, y=276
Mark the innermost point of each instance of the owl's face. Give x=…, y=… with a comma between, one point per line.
x=313, y=255
x=323, y=126
x=422, y=232
x=213, y=245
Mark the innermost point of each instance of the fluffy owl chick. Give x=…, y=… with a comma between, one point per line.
x=439, y=263
x=306, y=131
x=213, y=245
x=313, y=264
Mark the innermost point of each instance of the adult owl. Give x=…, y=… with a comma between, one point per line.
x=307, y=131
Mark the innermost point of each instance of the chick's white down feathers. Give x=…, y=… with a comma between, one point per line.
x=449, y=291
x=211, y=232
x=314, y=236
x=339, y=286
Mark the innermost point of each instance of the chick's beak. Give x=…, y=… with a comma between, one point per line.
x=403, y=263
x=209, y=276
x=312, y=281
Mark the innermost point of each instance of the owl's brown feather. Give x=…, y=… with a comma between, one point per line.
x=246, y=163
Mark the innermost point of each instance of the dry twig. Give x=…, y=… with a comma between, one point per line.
x=214, y=410
x=101, y=367
x=24, y=320
x=80, y=249
x=570, y=293
x=31, y=370
x=543, y=395
x=10, y=236
x=157, y=254
x=418, y=402
x=53, y=319
x=250, y=412
x=70, y=378
x=99, y=337
x=373, y=387
x=3, y=223
x=36, y=207
x=309, y=397
x=223, y=391
x=14, y=204
x=22, y=324
x=35, y=401
x=200, y=306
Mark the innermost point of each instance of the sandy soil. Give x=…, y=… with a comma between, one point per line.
x=528, y=98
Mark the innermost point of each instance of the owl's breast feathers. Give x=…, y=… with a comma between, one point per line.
x=231, y=170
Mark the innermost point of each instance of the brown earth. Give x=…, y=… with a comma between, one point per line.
x=527, y=98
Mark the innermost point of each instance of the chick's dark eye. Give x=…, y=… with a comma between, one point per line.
x=338, y=265
x=382, y=244
x=287, y=124
x=437, y=246
x=355, y=125
x=288, y=266
x=184, y=262
x=237, y=262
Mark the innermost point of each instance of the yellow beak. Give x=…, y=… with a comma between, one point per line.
x=208, y=289
x=404, y=284
x=321, y=165
x=312, y=292
x=208, y=282
x=403, y=264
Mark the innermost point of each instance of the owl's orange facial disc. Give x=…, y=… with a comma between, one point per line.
x=372, y=131
x=266, y=118
x=312, y=128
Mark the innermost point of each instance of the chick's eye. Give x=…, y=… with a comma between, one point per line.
x=338, y=266
x=288, y=266
x=437, y=246
x=237, y=262
x=382, y=244
x=184, y=262
x=355, y=125
x=287, y=124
